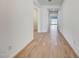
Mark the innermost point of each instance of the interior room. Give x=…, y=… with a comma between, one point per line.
x=39, y=29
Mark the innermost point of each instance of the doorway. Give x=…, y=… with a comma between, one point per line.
x=53, y=23
x=35, y=19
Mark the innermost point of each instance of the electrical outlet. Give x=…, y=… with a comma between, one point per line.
x=10, y=48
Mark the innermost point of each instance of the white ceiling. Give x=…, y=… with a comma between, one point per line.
x=53, y=2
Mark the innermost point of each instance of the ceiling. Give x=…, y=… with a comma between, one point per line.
x=51, y=2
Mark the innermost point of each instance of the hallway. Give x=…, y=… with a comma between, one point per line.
x=20, y=18
x=50, y=45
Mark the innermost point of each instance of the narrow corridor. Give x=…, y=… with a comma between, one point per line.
x=48, y=45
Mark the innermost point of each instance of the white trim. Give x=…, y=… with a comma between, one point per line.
x=14, y=54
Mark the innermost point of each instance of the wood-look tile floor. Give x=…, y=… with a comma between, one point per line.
x=47, y=45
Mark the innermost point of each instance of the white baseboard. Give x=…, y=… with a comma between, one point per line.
x=15, y=53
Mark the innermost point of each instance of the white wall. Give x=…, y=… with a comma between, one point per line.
x=15, y=26
x=60, y=20
x=70, y=21
x=43, y=19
